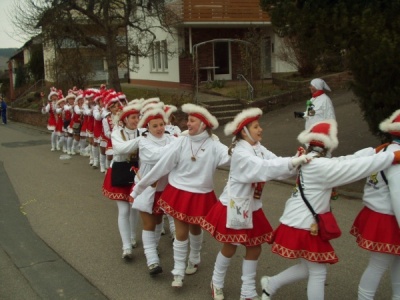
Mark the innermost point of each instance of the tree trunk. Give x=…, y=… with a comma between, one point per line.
x=112, y=63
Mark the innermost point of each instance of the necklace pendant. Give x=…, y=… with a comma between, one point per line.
x=193, y=158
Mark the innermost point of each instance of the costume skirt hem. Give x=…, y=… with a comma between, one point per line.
x=215, y=224
x=376, y=232
x=293, y=243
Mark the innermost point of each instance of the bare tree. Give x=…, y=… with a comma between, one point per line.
x=115, y=28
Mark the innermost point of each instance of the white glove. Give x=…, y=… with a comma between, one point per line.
x=300, y=151
x=301, y=160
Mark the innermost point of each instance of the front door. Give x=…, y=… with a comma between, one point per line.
x=222, y=61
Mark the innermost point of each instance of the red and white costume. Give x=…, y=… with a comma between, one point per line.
x=60, y=117
x=377, y=226
x=293, y=238
x=108, y=125
x=50, y=109
x=249, y=166
x=190, y=162
x=151, y=149
x=182, y=198
x=125, y=142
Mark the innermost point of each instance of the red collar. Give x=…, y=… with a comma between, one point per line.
x=318, y=93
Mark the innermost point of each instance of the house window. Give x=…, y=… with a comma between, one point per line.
x=97, y=64
x=165, y=54
x=135, y=55
x=159, y=56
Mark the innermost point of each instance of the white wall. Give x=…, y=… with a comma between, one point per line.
x=277, y=65
x=143, y=69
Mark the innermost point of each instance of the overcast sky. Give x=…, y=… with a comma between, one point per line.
x=7, y=38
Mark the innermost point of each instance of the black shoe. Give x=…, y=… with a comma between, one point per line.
x=155, y=269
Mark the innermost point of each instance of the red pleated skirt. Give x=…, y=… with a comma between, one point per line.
x=115, y=192
x=215, y=223
x=377, y=232
x=84, y=124
x=51, y=122
x=59, y=125
x=90, y=124
x=186, y=206
x=290, y=242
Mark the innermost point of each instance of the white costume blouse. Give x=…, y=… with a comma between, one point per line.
x=189, y=175
x=322, y=105
x=124, y=145
x=49, y=106
x=252, y=164
x=381, y=197
x=322, y=174
x=151, y=149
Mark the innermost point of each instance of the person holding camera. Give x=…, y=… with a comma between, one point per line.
x=319, y=107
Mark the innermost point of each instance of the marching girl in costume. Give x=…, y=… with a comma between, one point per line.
x=88, y=96
x=77, y=119
x=377, y=226
x=152, y=145
x=125, y=142
x=60, y=124
x=109, y=122
x=251, y=166
x=190, y=162
x=90, y=124
x=68, y=112
x=298, y=236
x=98, y=114
x=50, y=109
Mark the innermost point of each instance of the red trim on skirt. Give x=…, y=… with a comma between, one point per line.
x=186, y=206
x=292, y=243
x=215, y=224
x=157, y=210
x=115, y=192
x=377, y=232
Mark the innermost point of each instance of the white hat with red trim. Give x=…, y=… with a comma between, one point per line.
x=151, y=106
x=151, y=100
x=242, y=119
x=130, y=110
x=392, y=124
x=53, y=91
x=201, y=113
x=169, y=110
x=60, y=101
x=70, y=95
x=79, y=95
x=322, y=134
x=151, y=114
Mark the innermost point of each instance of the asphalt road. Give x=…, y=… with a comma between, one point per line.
x=59, y=237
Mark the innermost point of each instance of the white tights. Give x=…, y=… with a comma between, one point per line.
x=378, y=264
x=315, y=272
x=127, y=223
